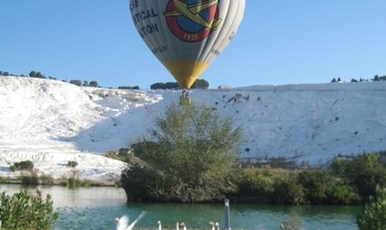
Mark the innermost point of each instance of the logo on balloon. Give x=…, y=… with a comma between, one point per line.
x=192, y=20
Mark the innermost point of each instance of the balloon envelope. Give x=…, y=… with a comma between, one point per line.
x=186, y=35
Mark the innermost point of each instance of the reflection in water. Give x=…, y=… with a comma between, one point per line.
x=96, y=208
x=80, y=197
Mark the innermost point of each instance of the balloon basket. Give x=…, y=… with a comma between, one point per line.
x=184, y=98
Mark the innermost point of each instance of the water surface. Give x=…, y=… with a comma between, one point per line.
x=96, y=208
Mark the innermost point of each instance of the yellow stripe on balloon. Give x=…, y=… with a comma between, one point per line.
x=185, y=72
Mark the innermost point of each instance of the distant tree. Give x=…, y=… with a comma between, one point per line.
x=76, y=82
x=157, y=85
x=85, y=83
x=167, y=85
x=72, y=164
x=339, y=80
x=200, y=84
x=24, y=165
x=354, y=80
x=5, y=73
x=1, y=72
x=39, y=75
x=376, y=78
x=171, y=85
x=32, y=74
x=36, y=74
x=129, y=87
x=93, y=84
x=333, y=80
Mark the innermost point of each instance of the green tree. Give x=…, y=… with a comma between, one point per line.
x=316, y=184
x=288, y=191
x=200, y=84
x=338, y=166
x=24, y=210
x=72, y=164
x=188, y=158
x=76, y=82
x=158, y=85
x=366, y=172
x=374, y=215
x=93, y=84
x=342, y=194
x=36, y=74
x=39, y=75
x=24, y=165
x=128, y=87
x=32, y=74
x=167, y=85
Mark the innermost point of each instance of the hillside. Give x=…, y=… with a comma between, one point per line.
x=53, y=122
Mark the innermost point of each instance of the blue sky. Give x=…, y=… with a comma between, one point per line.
x=278, y=42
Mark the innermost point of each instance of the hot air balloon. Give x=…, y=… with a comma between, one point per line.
x=186, y=35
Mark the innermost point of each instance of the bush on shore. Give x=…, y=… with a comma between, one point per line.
x=25, y=210
x=189, y=157
x=374, y=214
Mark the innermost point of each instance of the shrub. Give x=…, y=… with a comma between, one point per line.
x=255, y=185
x=112, y=155
x=288, y=191
x=12, y=168
x=189, y=157
x=338, y=166
x=124, y=154
x=365, y=172
x=268, y=186
x=316, y=184
x=46, y=179
x=374, y=215
x=343, y=194
x=73, y=182
x=24, y=210
x=24, y=165
x=87, y=183
x=29, y=180
x=72, y=164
